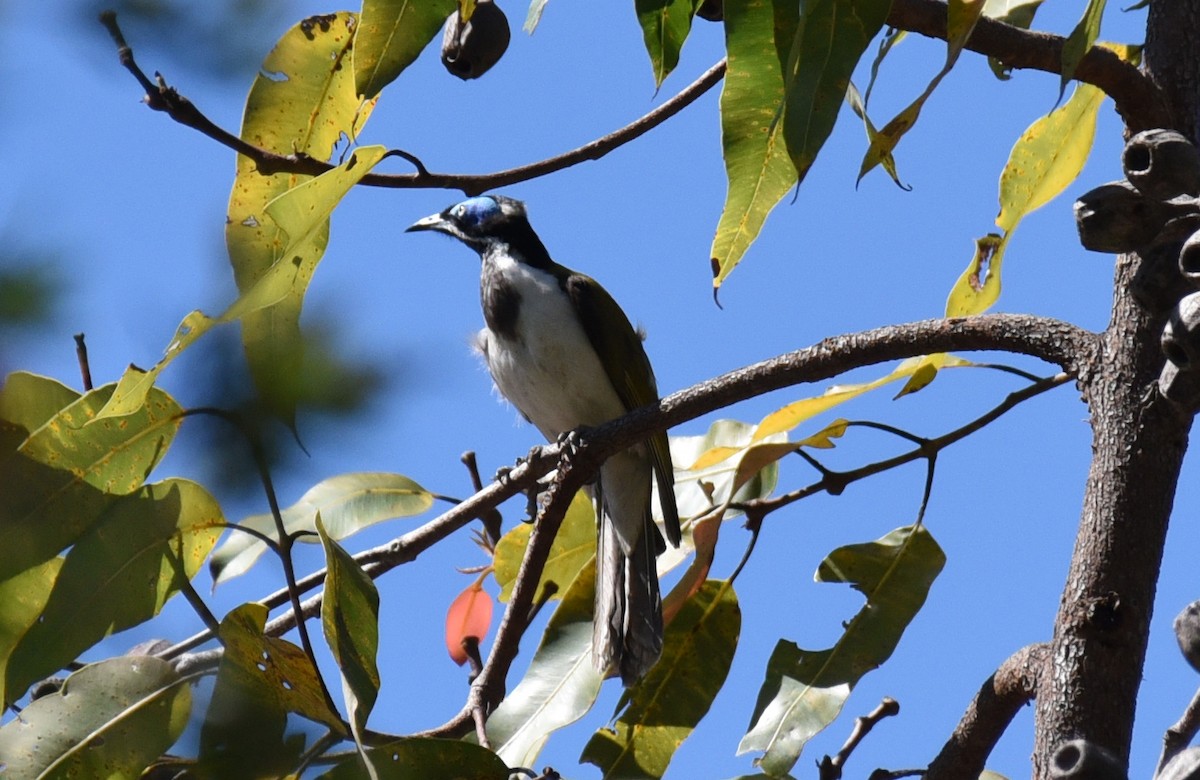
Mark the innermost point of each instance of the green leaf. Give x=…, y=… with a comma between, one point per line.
x=570, y=552
x=561, y=684
x=677, y=692
x=22, y=599
x=804, y=690
x=303, y=101
x=110, y=719
x=829, y=41
x=71, y=467
x=665, y=26
x=29, y=401
x=885, y=158
x=390, y=35
x=418, y=758
x=273, y=670
x=119, y=574
x=347, y=504
x=1081, y=39
x=1048, y=156
x=350, y=618
x=760, y=173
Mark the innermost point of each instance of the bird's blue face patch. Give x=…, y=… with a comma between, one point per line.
x=476, y=211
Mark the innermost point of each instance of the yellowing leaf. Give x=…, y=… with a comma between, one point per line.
x=391, y=35
x=572, y=548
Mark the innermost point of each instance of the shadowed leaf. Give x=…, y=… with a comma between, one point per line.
x=391, y=33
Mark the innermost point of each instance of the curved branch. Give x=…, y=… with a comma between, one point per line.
x=1071, y=348
x=1139, y=99
x=1012, y=686
x=162, y=97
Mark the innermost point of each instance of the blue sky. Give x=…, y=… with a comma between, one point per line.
x=133, y=205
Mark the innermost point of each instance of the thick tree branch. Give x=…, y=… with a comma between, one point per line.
x=1139, y=100
x=1012, y=686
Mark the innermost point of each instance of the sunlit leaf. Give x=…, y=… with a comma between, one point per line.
x=561, y=683
x=1081, y=39
x=22, y=598
x=70, y=471
x=573, y=547
x=665, y=26
x=118, y=574
x=416, y=758
x=350, y=618
x=1045, y=160
x=885, y=157
x=110, y=719
x=271, y=669
x=29, y=401
x=536, y=7
x=303, y=101
x=391, y=33
x=347, y=503
x=677, y=692
x=469, y=617
x=757, y=165
x=1018, y=13
x=804, y=690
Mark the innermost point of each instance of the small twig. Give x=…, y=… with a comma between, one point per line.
x=831, y=768
x=189, y=592
x=493, y=522
x=1012, y=686
x=1181, y=734
x=85, y=369
x=754, y=518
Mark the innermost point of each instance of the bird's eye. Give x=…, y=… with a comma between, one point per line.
x=475, y=211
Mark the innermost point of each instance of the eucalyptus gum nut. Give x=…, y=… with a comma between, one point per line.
x=1180, y=387
x=1187, y=633
x=1181, y=336
x=470, y=50
x=1162, y=164
x=1081, y=759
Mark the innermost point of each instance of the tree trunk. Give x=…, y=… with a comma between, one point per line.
x=1138, y=444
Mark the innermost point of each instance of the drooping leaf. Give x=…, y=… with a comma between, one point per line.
x=804, y=690
x=70, y=471
x=1048, y=156
x=1081, y=39
x=417, y=758
x=390, y=35
x=677, y=692
x=109, y=719
x=29, y=400
x=271, y=669
x=118, y=574
x=350, y=618
x=885, y=157
x=22, y=598
x=890, y=38
x=962, y=15
x=665, y=26
x=303, y=101
x=760, y=173
x=347, y=504
x=572, y=548
x=561, y=684
x=135, y=383
x=469, y=617
x=828, y=42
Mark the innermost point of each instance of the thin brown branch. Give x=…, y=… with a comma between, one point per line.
x=85, y=368
x=1139, y=100
x=831, y=768
x=160, y=96
x=1181, y=734
x=1012, y=686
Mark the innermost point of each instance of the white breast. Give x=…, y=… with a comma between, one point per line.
x=549, y=371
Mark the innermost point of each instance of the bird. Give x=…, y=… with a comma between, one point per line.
x=563, y=352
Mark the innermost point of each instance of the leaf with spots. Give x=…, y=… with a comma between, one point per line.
x=428, y=759
x=71, y=468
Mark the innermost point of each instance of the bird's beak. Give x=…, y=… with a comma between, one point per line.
x=435, y=222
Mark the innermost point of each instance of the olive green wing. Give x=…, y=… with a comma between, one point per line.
x=624, y=358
